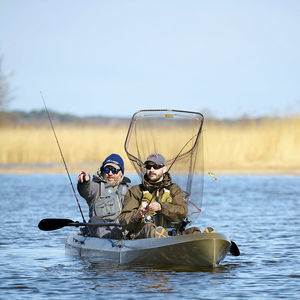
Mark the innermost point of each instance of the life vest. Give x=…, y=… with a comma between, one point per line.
x=108, y=203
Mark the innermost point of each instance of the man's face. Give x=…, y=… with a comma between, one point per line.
x=112, y=175
x=154, y=172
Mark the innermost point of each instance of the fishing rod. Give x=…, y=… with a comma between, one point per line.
x=61, y=154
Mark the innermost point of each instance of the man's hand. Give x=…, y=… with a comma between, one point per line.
x=83, y=176
x=154, y=206
x=141, y=213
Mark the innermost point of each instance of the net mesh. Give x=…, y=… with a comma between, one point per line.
x=177, y=136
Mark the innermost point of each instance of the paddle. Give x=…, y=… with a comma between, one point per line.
x=54, y=224
x=234, y=249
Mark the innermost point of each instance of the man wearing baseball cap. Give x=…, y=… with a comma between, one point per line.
x=153, y=204
x=105, y=193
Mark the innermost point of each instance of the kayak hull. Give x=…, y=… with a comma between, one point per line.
x=193, y=250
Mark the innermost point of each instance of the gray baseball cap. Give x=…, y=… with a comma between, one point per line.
x=156, y=158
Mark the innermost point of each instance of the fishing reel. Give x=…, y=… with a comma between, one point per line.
x=149, y=219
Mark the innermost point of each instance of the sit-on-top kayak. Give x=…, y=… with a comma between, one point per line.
x=189, y=250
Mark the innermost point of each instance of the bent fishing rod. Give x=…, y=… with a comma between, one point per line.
x=63, y=159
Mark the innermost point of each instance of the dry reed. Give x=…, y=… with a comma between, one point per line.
x=252, y=145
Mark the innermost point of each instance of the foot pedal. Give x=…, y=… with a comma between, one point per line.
x=161, y=232
x=209, y=229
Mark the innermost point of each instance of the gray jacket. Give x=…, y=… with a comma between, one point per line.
x=103, y=200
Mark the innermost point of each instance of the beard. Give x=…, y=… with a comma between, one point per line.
x=115, y=183
x=157, y=178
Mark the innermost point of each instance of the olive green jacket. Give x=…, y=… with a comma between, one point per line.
x=174, y=211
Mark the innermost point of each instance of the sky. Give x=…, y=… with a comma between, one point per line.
x=226, y=59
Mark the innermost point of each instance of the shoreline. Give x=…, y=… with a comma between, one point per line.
x=58, y=168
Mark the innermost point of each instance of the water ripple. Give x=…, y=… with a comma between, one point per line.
x=260, y=213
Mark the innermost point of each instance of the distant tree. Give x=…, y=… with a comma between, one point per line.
x=5, y=92
x=5, y=98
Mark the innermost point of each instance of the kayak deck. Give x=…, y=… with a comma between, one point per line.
x=192, y=250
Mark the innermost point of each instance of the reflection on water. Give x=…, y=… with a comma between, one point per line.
x=260, y=213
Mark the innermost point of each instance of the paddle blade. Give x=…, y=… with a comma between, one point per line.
x=53, y=224
x=234, y=249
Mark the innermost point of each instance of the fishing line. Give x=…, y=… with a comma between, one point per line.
x=180, y=152
x=211, y=174
x=61, y=154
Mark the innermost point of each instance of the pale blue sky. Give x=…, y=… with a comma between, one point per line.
x=94, y=57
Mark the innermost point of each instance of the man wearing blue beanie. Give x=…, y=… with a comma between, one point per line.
x=114, y=160
x=104, y=194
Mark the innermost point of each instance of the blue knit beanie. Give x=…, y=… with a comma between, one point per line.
x=114, y=159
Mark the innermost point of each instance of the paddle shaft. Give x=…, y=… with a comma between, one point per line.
x=77, y=224
x=54, y=224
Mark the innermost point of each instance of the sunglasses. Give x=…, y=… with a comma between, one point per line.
x=113, y=170
x=155, y=167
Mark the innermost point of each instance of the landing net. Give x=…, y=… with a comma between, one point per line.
x=177, y=136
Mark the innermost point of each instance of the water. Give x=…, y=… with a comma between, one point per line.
x=260, y=213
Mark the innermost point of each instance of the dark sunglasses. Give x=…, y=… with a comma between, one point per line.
x=113, y=170
x=155, y=167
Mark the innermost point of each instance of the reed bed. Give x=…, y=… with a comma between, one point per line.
x=267, y=144
x=28, y=144
x=245, y=145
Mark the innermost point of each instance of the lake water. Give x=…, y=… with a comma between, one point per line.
x=260, y=213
